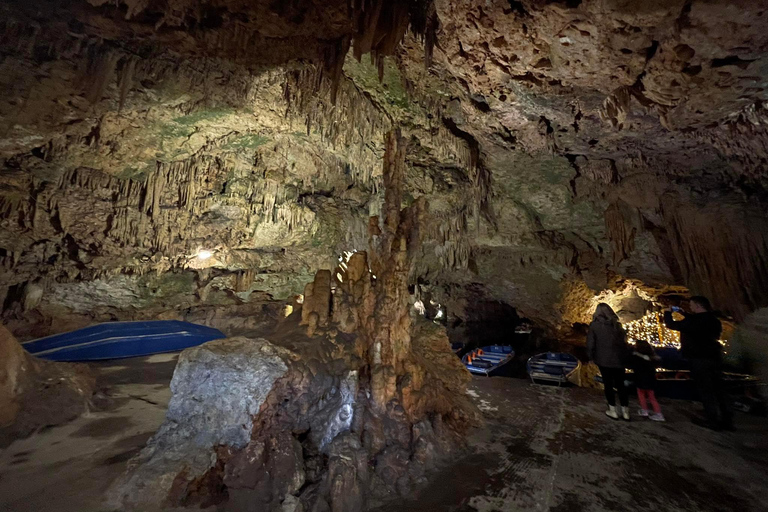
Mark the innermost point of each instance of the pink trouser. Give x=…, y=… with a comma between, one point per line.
x=643, y=394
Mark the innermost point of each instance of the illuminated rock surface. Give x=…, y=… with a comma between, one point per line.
x=494, y=160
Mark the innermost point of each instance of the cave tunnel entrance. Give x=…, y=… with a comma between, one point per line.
x=490, y=322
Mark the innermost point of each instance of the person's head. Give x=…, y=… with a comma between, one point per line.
x=604, y=313
x=644, y=347
x=700, y=304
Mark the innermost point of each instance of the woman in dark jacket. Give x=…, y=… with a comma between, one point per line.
x=607, y=348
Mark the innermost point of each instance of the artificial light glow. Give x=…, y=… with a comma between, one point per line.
x=204, y=254
x=651, y=328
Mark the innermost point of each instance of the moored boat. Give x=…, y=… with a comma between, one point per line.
x=552, y=367
x=488, y=360
x=115, y=340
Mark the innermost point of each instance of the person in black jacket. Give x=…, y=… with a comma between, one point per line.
x=699, y=343
x=607, y=347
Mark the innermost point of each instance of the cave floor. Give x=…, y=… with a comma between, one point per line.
x=545, y=448
x=541, y=448
x=68, y=468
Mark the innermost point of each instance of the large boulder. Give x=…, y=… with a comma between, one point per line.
x=14, y=365
x=35, y=393
x=217, y=391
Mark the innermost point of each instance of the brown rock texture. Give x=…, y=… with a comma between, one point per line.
x=358, y=410
x=599, y=142
x=36, y=393
x=15, y=363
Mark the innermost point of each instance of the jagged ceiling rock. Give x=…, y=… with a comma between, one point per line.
x=554, y=140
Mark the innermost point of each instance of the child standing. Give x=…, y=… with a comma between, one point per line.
x=644, y=366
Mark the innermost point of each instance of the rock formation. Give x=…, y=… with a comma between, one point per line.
x=338, y=421
x=218, y=389
x=16, y=363
x=212, y=161
x=555, y=142
x=36, y=393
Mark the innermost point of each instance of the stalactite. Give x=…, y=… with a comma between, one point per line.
x=451, y=239
x=126, y=79
x=100, y=71
x=721, y=250
x=743, y=139
x=621, y=226
x=616, y=107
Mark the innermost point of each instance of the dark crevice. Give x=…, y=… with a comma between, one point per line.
x=516, y=7
x=480, y=103
x=692, y=70
x=732, y=60
x=684, y=20
x=651, y=50
x=543, y=120
x=528, y=77
x=571, y=4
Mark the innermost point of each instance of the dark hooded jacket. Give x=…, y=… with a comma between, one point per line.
x=607, y=344
x=699, y=335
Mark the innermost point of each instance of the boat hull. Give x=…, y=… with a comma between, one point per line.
x=555, y=367
x=116, y=340
x=491, y=363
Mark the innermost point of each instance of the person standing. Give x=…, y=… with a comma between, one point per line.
x=607, y=348
x=644, y=361
x=699, y=343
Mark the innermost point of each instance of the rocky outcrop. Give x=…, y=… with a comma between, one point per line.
x=35, y=393
x=363, y=406
x=317, y=302
x=15, y=364
x=217, y=391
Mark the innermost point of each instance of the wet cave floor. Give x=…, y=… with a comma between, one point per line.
x=545, y=448
x=541, y=448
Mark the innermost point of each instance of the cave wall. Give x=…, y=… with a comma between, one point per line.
x=555, y=142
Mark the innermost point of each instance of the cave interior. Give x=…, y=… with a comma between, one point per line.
x=353, y=192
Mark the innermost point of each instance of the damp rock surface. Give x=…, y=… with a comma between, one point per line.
x=217, y=390
x=555, y=142
x=553, y=449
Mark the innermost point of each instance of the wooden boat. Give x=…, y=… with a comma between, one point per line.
x=552, y=367
x=115, y=340
x=488, y=360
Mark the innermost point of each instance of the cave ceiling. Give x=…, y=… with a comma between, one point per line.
x=564, y=147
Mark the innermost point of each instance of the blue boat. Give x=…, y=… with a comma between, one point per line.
x=115, y=340
x=488, y=360
x=553, y=367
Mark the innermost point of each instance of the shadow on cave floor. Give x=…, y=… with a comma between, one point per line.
x=67, y=468
x=547, y=448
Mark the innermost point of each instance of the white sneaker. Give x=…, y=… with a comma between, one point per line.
x=611, y=412
x=625, y=413
x=657, y=417
x=643, y=413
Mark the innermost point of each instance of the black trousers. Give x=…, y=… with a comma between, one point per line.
x=708, y=377
x=613, y=378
